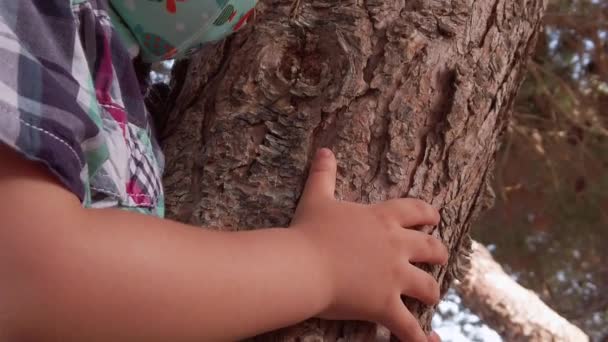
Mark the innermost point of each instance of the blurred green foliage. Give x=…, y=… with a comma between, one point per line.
x=549, y=227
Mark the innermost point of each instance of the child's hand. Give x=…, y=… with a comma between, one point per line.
x=367, y=252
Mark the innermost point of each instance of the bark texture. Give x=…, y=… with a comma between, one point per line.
x=516, y=313
x=412, y=97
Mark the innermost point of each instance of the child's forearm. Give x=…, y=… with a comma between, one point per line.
x=117, y=275
x=74, y=274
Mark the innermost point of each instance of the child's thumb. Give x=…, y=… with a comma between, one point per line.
x=322, y=176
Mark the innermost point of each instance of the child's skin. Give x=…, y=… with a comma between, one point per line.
x=74, y=274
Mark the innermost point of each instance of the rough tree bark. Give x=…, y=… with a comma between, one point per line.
x=516, y=313
x=412, y=96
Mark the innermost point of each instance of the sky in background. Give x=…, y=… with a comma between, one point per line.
x=455, y=323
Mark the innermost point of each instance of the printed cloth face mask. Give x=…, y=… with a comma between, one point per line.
x=166, y=29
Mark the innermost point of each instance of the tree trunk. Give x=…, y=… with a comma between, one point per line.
x=513, y=311
x=411, y=96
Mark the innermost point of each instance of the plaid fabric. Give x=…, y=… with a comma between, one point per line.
x=69, y=98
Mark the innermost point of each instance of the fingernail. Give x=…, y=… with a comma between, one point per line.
x=323, y=153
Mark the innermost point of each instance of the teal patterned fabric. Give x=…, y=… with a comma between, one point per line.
x=166, y=29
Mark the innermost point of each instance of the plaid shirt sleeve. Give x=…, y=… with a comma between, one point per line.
x=38, y=95
x=69, y=99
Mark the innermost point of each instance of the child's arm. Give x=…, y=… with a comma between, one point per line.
x=69, y=273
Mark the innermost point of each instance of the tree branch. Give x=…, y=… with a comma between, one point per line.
x=515, y=312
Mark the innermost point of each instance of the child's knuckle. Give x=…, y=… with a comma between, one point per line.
x=434, y=290
x=432, y=242
x=384, y=217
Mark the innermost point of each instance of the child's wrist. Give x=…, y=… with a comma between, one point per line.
x=318, y=269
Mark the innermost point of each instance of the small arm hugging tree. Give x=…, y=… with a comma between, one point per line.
x=412, y=96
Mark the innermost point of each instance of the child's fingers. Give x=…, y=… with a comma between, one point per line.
x=425, y=248
x=322, y=176
x=403, y=324
x=410, y=212
x=420, y=285
x=433, y=337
